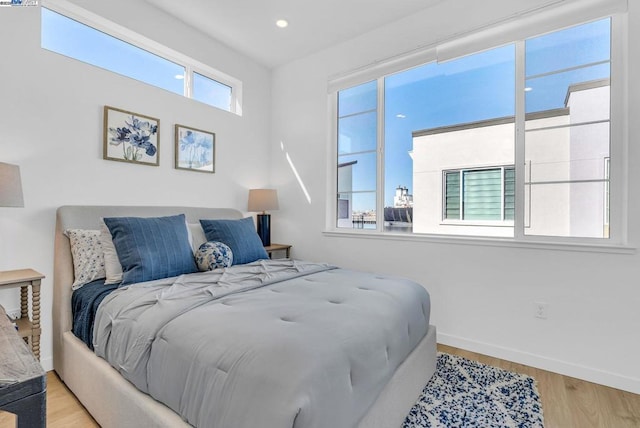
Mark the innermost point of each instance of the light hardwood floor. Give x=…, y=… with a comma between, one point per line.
x=566, y=402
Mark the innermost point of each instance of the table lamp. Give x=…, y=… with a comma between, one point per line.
x=263, y=200
x=10, y=186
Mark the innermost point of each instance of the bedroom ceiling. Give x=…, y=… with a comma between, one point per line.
x=248, y=26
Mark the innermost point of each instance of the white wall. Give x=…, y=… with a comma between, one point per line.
x=482, y=295
x=51, y=125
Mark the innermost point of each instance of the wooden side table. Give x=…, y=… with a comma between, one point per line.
x=23, y=382
x=278, y=247
x=28, y=328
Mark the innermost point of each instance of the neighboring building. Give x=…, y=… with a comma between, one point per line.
x=470, y=167
x=402, y=198
x=399, y=218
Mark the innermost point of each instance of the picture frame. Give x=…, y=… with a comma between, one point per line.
x=131, y=137
x=195, y=149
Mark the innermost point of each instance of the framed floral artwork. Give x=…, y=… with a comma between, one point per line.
x=131, y=137
x=195, y=149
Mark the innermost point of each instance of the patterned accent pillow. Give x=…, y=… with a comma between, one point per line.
x=88, y=257
x=213, y=255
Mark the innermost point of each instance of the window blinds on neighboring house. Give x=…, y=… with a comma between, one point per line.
x=452, y=196
x=486, y=194
x=509, y=193
x=482, y=195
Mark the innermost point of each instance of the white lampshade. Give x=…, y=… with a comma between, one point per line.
x=263, y=200
x=10, y=186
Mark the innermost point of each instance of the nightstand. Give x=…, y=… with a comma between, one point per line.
x=28, y=327
x=270, y=249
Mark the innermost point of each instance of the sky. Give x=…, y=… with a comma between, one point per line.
x=473, y=88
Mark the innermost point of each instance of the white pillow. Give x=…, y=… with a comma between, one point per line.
x=112, y=265
x=197, y=237
x=88, y=256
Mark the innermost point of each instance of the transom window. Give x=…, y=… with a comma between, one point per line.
x=436, y=149
x=140, y=59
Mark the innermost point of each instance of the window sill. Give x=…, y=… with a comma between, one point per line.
x=486, y=241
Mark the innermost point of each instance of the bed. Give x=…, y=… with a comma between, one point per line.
x=115, y=402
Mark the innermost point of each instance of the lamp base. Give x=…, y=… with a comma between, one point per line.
x=264, y=229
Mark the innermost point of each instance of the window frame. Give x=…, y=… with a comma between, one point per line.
x=126, y=35
x=617, y=242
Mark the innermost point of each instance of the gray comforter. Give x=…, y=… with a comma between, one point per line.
x=271, y=344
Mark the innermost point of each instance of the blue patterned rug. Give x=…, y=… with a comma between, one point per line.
x=465, y=393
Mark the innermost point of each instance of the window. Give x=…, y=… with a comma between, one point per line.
x=452, y=132
x=156, y=65
x=480, y=195
x=211, y=92
x=357, y=156
x=567, y=140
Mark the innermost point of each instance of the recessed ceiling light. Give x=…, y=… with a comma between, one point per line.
x=400, y=116
x=282, y=23
x=179, y=76
x=528, y=89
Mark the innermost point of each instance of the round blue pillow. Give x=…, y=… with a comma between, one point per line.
x=213, y=255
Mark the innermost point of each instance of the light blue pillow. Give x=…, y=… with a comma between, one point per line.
x=239, y=235
x=151, y=248
x=213, y=255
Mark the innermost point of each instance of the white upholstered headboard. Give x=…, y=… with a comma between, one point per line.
x=88, y=217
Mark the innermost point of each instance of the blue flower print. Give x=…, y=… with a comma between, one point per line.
x=119, y=135
x=137, y=133
x=195, y=148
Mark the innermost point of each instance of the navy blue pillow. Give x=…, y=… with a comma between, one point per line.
x=151, y=248
x=239, y=235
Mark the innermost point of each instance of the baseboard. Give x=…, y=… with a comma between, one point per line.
x=589, y=374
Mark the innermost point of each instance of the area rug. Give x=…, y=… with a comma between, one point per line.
x=465, y=393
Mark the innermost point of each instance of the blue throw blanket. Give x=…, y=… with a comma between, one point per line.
x=84, y=305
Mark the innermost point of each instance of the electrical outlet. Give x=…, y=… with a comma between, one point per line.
x=14, y=314
x=540, y=310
